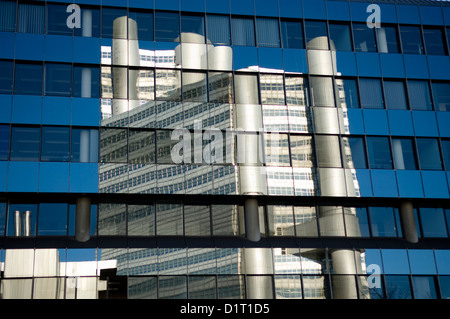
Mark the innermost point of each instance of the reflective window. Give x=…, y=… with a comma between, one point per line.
x=84, y=145
x=197, y=220
x=445, y=144
x=55, y=144
x=111, y=219
x=220, y=87
x=411, y=39
x=398, y=287
x=395, y=95
x=419, y=95
x=292, y=34
x=364, y=38
x=4, y=142
x=169, y=219
x=243, y=31
x=302, y=154
x=276, y=150
x=272, y=89
x=387, y=39
x=86, y=82
x=22, y=219
x=28, y=79
x=141, y=147
x=52, y=220
x=109, y=16
x=167, y=26
x=382, y=222
x=31, y=18
x=354, y=152
x=379, y=152
x=168, y=85
x=58, y=79
x=328, y=151
x=371, y=93
x=363, y=221
x=192, y=24
x=331, y=221
x=347, y=93
x=8, y=16
x=424, y=287
x=164, y=147
x=141, y=220
x=113, y=145
x=268, y=34
x=433, y=222
x=323, y=91
x=444, y=284
x=316, y=35
x=218, y=29
x=56, y=18
x=88, y=30
x=403, y=152
x=441, y=94
x=144, y=21
x=340, y=36
x=429, y=157
x=6, y=76
x=225, y=220
x=296, y=90
x=434, y=41
x=25, y=143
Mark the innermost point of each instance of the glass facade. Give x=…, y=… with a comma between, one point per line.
x=237, y=149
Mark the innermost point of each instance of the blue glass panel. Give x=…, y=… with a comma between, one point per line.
x=416, y=66
x=375, y=122
x=21, y=208
x=215, y=6
x=86, y=82
x=355, y=120
x=359, y=11
x=389, y=13
x=441, y=96
x=434, y=41
x=25, y=143
x=19, y=172
x=56, y=20
x=382, y=222
x=6, y=76
x=268, y=33
x=368, y=64
x=346, y=63
x=192, y=5
x=340, y=35
x=291, y=8
x=83, y=178
x=218, y=29
x=431, y=15
x=144, y=21
x=392, y=65
x=7, y=16
x=364, y=182
x=84, y=145
x=400, y=122
x=26, y=109
x=58, y=48
x=442, y=261
x=86, y=50
x=54, y=177
x=58, y=79
x=395, y=261
x=395, y=95
x=56, y=110
x=295, y=61
x=408, y=14
x=167, y=26
x=444, y=284
x=107, y=19
x=271, y=58
x=398, y=287
x=55, y=144
x=432, y=221
x=404, y=155
x=411, y=40
x=52, y=219
x=88, y=30
x=387, y=37
x=314, y=9
x=419, y=95
x=445, y=145
x=244, y=57
x=4, y=142
x=28, y=79
x=31, y=18
x=5, y=108
x=358, y=152
x=422, y=261
x=8, y=44
x=364, y=38
x=144, y=4
x=85, y=111
x=424, y=287
x=193, y=24
x=338, y=10
x=409, y=184
x=425, y=123
x=315, y=29
x=439, y=67
x=384, y=183
x=266, y=8
x=3, y=175
x=242, y=7
x=243, y=31
x=429, y=156
x=25, y=41
x=292, y=34
x=2, y=218
x=446, y=13
x=435, y=184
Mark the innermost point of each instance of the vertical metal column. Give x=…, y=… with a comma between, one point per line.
x=83, y=219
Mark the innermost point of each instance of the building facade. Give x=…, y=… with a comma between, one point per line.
x=244, y=149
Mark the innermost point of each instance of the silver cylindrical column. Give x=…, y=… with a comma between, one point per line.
x=27, y=223
x=408, y=222
x=344, y=283
x=83, y=219
x=258, y=263
x=251, y=211
x=17, y=223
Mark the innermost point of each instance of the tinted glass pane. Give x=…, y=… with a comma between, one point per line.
x=144, y=21
x=8, y=16
x=364, y=38
x=354, y=152
x=25, y=143
x=444, y=284
x=441, y=93
x=302, y=154
x=6, y=76
x=292, y=35
x=52, y=220
x=58, y=78
x=387, y=38
x=92, y=15
x=445, y=144
x=112, y=219
x=419, y=95
x=243, y=31
x=347, y=93
x=379, y=152
x=31, y=18
x=142, y=147
x=86, y=82
x=108, y=17
x=424, y=287
x=363, y=222
x=84, y=145
x=382, y=222
x=411, y=40
x=218, y=29
x=316, y=29
x=434, y=41
x=429, y=157
x=327, y=150
x=398, y=287
x=340, y=35
x=371, y=93
x=192, y=24
x=167, y=26
x=55, y=144
x=28, y=79
x=57, y=19
x=169, y=219
x=267, y=33
x=404, y=157
x=113, y=145
x=4, y=142
x=395, y=95
x=433, y=222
